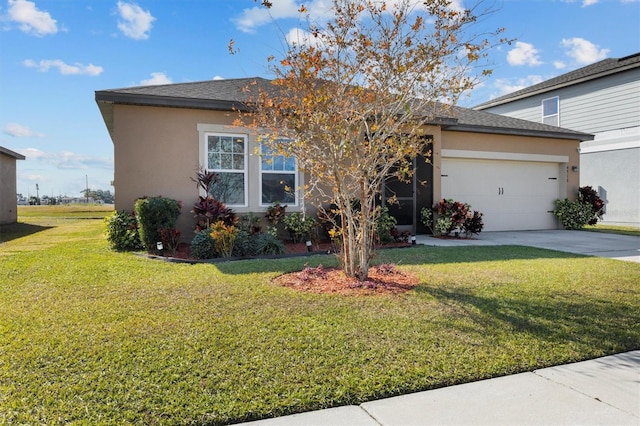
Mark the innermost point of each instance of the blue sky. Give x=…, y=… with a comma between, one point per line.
x=54, y=54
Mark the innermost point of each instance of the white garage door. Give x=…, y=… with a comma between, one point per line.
x=512, y=195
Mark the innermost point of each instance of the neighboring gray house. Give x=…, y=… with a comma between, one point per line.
x=602, y=99
x=8, y=199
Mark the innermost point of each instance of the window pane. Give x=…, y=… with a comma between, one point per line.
x=278, y=162
x=229, y=188
x=214, y=143
x=550, y=106
x=226, y=161
x=267, y=163
x=213, y=161
x=551, y=120
x=290, y=164
x=278, y=187
x=238, y=161
x=239, y=145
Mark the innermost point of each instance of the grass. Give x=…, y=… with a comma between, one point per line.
x=88, y=335
x=613, y=229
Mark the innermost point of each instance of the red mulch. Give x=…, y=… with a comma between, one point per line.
x=384, y=279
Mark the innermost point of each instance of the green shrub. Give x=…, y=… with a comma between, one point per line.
x=122, y=231
x=268, y=244
x=203, y=246
x=384, y=224
x=426, y=217
x=573, y=214
x=154, y=214
x=299, y=226
x=244, y=244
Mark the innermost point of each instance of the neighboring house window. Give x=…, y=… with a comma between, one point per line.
x=551, y=111
x=278, y=177
x=227, y=156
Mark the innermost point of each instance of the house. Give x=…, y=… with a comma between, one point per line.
x=511, y=170
x=603, y=99
x=8, y=191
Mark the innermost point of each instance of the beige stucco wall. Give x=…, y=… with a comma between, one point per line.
x=8, y=205
x=157, y=152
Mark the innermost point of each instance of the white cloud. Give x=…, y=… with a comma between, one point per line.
x=523, y=54
x=316, y=10
x=157, y=78
x=218, y=77
x=586, y=3
x=300, y=37
x=65, y=69
x=31, y=20
x=559, y=65
x=134, y=21
x=505, y=85
x=583, y=51
x=20, y=131
x=67, y=160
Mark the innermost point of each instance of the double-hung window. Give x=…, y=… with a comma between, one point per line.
x=278, y=177
x=551, y=111
x=227, y=157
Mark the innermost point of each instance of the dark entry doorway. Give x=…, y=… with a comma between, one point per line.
x=411, y=196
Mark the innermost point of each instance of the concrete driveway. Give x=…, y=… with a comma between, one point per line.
x=621, y=247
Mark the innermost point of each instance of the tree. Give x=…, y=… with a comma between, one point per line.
x=353, y=98
x=99, y=195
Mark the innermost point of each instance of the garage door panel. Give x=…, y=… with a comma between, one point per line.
x=512, y=195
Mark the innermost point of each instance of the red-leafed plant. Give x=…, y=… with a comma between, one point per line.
x=208, y=210
x=170, y=239
x=588, y=195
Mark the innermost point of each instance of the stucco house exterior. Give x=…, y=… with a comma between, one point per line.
x=8, y=188
x=511, y=170
x=602, y=99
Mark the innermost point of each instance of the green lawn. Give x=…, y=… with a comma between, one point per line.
x=613, y=229
x=92, y=336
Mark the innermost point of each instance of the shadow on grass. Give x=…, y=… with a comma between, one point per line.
x=606, y=325
x=420, y=255
x=18, y=230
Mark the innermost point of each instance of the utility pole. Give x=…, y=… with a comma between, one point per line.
x=86, y=194
x=37, y=194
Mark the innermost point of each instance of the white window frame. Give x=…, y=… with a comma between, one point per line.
x=295, y=174
x=556, y=115
x=244, y=171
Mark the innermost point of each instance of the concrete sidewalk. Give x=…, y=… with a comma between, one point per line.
x=621, y=247
x=603, y=391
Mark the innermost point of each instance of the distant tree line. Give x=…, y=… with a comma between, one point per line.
x=91, y=196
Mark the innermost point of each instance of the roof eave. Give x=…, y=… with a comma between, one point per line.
x=168, y=101
x=578, y=136
x=11, y=154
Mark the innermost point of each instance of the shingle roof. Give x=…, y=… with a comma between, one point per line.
x=590, y=72
x=228, y=94
x=214, y=93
